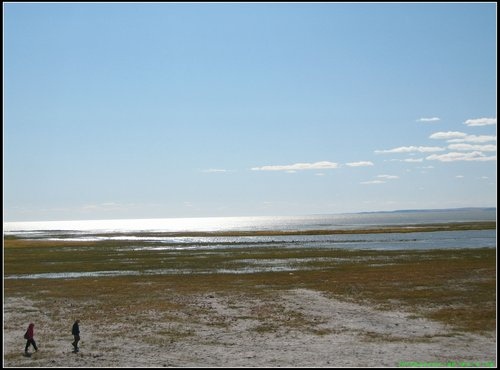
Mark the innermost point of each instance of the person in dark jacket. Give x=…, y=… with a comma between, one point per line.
x=76, y=334
x=29, y=336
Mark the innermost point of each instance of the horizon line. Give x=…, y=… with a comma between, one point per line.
x=249, y=216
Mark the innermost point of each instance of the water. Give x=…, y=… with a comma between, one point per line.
x=165, y=234
x=215, y=224
x=168, y=238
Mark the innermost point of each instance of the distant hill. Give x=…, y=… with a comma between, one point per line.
x=463, y=209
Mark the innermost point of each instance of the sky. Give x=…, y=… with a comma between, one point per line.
x=152, y=110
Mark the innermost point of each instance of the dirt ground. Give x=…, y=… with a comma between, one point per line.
x=332, y=333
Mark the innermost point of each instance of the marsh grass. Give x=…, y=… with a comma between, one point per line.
x=431, y=227
x=455, y=286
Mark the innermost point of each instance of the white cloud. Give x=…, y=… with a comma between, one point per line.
x=474, y=139
x=431, y=119
x=448, y=135
x=299, y=166
x=360, y=164
x=460, y=137
x=460, y=176
x=413, y=160
x=380, y=180
x=481, y=122
x=457, y=156
x=412, y=149
x=407, y=160
x=388, y=177
x=471, y=147
x=372, y=182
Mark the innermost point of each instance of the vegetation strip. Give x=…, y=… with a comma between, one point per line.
x=454, y=286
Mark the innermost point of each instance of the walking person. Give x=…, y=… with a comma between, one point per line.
x=29, y=336
x=76, y=334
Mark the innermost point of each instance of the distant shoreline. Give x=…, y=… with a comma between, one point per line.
x=379, y=229
x=411, y=228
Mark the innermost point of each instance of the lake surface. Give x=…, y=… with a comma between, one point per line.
x=312, y=222
x=148, y=232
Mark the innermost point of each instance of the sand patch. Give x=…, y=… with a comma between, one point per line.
x=297, y=328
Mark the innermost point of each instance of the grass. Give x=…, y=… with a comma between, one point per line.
x=456, y=286
x=410, y=228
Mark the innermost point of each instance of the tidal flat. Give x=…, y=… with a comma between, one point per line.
x=247, y=306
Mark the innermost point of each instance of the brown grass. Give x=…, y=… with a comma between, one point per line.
x=456, y=286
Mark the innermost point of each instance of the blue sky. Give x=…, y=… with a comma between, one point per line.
x=240, y=109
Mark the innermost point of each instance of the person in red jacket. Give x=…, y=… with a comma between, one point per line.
x=30, y=333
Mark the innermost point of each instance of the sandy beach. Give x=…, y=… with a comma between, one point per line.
x=334, y=333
